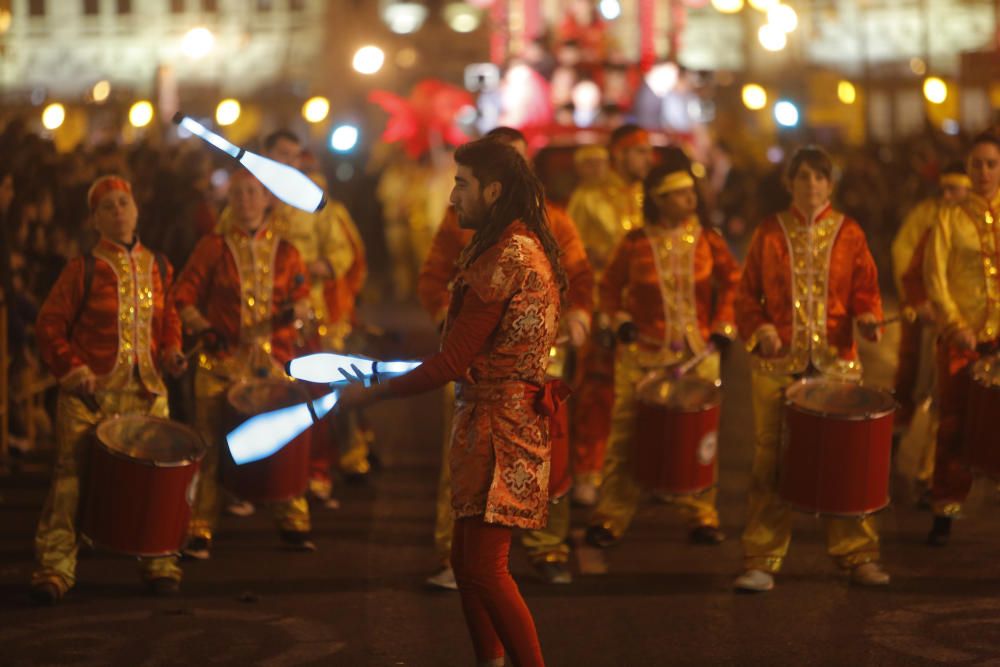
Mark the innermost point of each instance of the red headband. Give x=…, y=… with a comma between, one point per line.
x=103, y=186
x=638, y=138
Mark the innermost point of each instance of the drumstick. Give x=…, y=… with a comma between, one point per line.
x=684, y=368
x=90, y=401
x=906, y=315
x=198, y=347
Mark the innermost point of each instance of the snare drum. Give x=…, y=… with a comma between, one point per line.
x=677, y=435
x=140, y=484
x=838, y=447
x=283, y=475
x=982, y=444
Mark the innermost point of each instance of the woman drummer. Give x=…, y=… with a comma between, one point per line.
x=809, y=276
x=669, y=290
x=106, y=331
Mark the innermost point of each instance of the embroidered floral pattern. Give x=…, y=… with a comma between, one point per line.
x=500, y=448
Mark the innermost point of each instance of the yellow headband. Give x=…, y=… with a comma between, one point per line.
x=676, y=180
x=590, y=153
x=959, y=180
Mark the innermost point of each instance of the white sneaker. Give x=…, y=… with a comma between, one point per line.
x=585, y=494
x=754, y=581
x=869, y=574
x=445, y=579
x=240, y=508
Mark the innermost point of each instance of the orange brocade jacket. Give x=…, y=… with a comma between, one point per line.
x=128, y=319
x=241, y=285
x=439, y=268
x=668, y=281
x=808, y=280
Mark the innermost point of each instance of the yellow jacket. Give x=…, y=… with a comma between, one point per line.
x=603, y=214
x=917, y=223
x=961, y=267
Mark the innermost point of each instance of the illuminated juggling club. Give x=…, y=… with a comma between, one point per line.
x=265, y=434
x=341, y=369
x=287, y=183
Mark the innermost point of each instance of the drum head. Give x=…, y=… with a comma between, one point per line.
x=252, y=397
x=986, y=371
x=151, y=440
x=686, y=394
x=839, y=399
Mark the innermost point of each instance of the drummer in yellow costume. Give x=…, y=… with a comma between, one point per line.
x=105, y=331
x=326, y=240
x=603, y=212
x=809, y=276
x=239, y=292
x=659, y=289
x=962, y=272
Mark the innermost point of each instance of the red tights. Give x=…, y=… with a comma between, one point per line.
x=495, y=612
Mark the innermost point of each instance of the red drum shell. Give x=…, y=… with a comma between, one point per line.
x=838, y=448
x=676, y=436
x=283, y=475
x=982, y=445
x=139, y=485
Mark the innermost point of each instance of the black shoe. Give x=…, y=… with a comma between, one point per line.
x=600, y=537
x=197, y=548
x=553, y=572
x=297, y=540
x=164, y=587
x=709, y=535
x=940, y=531
x=46, y=594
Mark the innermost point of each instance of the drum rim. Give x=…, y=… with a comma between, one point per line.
x=242, y=382
x=688, y=410
x=845, y=515
x=827, y=415
x=199, y=455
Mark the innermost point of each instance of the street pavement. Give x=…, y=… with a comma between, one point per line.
x=360, y=600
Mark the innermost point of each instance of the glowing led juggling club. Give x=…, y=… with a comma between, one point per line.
x=286, y=183
x=327, y=367
x=265, y=434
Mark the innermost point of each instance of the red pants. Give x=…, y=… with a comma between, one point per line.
x=497, y=617
x=592, y=410
x=952, y=479
x=908, y=369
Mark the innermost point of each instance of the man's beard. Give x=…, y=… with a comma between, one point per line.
x=474, y=219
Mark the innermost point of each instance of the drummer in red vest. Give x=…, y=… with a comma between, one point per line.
x=106, y=331
x=240, y=292
x=962, y=273
x=668, y=290
x=809, y=276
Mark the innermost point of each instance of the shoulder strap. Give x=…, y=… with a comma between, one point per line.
x=161, y=265
x=88, y=279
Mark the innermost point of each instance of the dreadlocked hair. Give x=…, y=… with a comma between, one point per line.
x=521, y=198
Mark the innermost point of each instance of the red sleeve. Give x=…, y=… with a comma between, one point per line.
x=747, y=306
x=615, y=278
x=579, y=275
x=475, y=323
x=170, y=331
x=439, y=267
x=866, y=296
x=54, y=318
x=726, y=272
x=193, y=282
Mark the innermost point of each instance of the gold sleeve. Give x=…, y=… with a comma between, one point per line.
x=331, y=233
